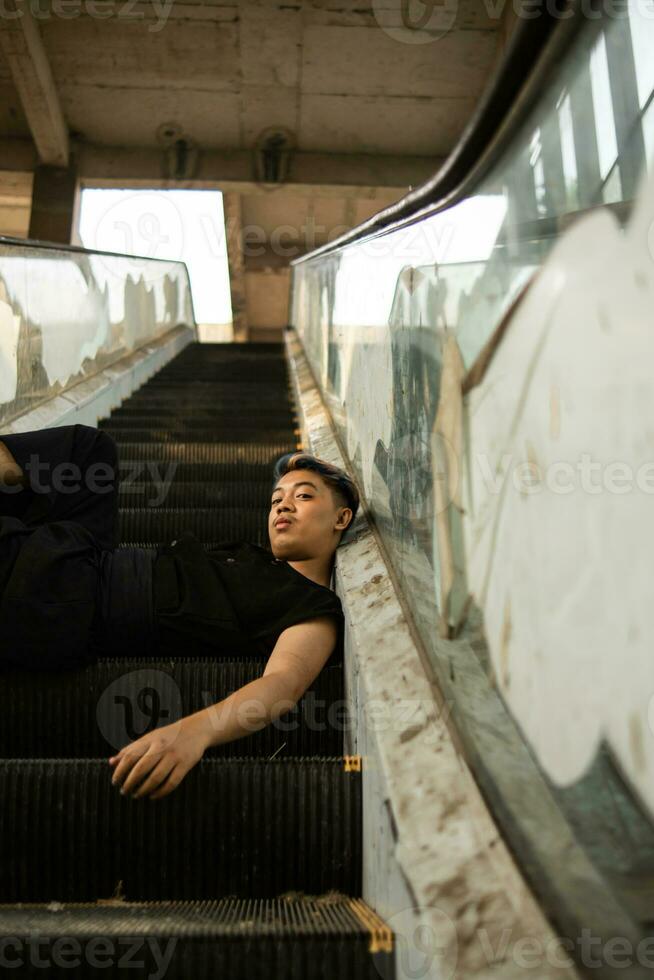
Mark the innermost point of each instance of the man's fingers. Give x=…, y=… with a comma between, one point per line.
x=156, y=777
x=138, y=769
x=175, y=777
x=124, y=764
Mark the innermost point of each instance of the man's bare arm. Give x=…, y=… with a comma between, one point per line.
x=299, y=655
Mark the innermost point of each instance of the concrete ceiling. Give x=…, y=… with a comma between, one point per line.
x=369, y=107
x=330, y=72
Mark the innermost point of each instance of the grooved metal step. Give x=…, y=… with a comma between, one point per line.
x=263, y=455
x=200, y=493
x=149, y=465
x=194, y=414
x=96, y=711
x=189, y=434
x=294, y=937
x=251, y=867
x=155, y=524
x=238, y=826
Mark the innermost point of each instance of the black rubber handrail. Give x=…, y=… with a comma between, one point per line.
x=535, y=47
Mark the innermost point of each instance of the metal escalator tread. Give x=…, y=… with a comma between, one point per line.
x=253, y=865
x=234, y=826
x=207, y=493
x=162, y=524
x=262, y=454
x=226, y=436
x=199, y=418
x=83, y=713
x=151, y=467
x=242, y=939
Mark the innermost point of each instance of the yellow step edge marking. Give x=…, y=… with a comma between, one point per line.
x=381, y=935
x=352, y=763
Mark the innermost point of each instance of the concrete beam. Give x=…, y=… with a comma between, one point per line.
x=341, y=175
x=234, y=170
x=21, y=43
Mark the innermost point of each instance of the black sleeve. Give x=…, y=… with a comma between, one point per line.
x=310, y=606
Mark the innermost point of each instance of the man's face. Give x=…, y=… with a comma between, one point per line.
x=304, y=517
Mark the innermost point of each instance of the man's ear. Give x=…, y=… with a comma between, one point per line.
x=344, y=518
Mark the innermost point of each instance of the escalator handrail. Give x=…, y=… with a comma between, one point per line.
x=37, y=243
x=533, y=51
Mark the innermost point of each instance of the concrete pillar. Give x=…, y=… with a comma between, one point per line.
x=56, y=194
x=236, y=265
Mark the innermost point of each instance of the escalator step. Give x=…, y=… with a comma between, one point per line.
x=227, y=390
x=200, y=493
x=213, y=398
x=295, y=937
x=221, y=373
x=198, y=418
x=264, y=454
x=224, y=435
x=148, y=466
x=239, y=826
x=153, y=525
x=95, y=711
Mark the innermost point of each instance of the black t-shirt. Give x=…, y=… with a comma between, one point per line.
x=59, y=610
x=235, y=599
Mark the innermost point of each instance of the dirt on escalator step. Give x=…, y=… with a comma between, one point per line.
x=295, y=937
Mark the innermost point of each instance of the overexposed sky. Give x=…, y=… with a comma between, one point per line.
x=185, y=225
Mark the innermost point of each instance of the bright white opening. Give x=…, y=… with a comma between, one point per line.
x=184, y=225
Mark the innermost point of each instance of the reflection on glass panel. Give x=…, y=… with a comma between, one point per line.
x=65, y=315
x=375, y=315
x=607, y=144
x=643, y=52
x=568, y=153
x=379, y=319
x=648, y=133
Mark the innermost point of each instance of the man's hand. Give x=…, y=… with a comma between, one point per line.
x=159, y=760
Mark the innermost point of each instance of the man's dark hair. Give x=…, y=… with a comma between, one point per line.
x=342, y=486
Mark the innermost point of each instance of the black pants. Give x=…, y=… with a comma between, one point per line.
x=73, y=476
x=54, y=533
